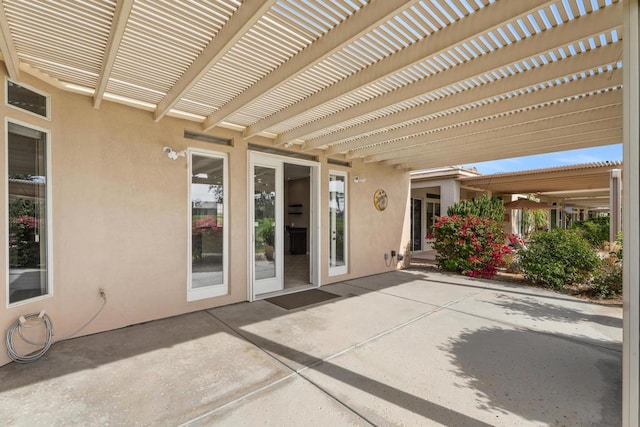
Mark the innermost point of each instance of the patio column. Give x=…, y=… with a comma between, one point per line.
x=631, y=218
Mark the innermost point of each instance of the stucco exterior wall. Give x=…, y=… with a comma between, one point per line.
x=120, y=215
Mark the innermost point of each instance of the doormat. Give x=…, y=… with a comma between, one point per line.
x=301, y=299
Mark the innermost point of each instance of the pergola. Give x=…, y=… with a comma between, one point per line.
x=410, y=84
x=584, y=185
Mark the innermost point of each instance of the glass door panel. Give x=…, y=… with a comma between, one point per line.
x=208, y=235
x=267, y=222
x=416, y=225
x=337, y=224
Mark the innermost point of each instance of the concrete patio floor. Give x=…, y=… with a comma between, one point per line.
x=404, y=348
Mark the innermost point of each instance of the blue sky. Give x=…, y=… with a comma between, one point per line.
x=561, y=158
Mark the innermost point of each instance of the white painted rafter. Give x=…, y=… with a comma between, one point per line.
x=364, y=20
x=592, y=24
x=240, y=22
x=525, y=148
x=7, y=47
x=537, y=114
x=543, y=117
x=118, y=27
x=557, y=70
x=598, y=82
x=561, y=125
x=481, y=21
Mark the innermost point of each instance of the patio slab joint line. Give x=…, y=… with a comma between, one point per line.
x=294, y=373
x=390, y=330
x=391, y=295
x=299, y=372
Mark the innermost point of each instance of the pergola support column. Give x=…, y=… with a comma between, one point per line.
x=631, y=218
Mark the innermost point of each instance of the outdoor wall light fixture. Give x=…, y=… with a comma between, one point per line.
x=173, y=155
x=359, y=180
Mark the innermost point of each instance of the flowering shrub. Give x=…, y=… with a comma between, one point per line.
x=470, y=245
x=205, y=225
x=203, y=230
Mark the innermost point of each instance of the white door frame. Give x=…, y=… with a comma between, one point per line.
x=275, y=283
x=260, y=158
x=344, y=269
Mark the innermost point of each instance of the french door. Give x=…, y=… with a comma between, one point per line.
x=268, y=225
x=274, y=184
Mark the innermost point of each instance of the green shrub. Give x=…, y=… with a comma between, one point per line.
x=595, y=231
x=558, y=257
x=265, y=232
x=482, y=207
x=469, y=245
x=607, y=283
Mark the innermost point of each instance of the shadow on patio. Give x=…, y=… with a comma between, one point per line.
x=399, y=347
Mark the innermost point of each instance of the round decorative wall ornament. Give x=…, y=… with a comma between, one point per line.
x=380, y=199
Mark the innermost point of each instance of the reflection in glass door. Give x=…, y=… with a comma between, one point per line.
x=209, y=234
x=267, y=223
x=337, y=224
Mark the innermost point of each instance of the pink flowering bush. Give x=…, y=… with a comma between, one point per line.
x=204, y=236
x=470, y=245
x=205, y=225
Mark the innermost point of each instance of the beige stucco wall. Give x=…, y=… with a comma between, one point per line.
x=120, y=215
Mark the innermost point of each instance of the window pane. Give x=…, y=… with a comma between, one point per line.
x=26, y=99
x=207, y=221
x=27, y=176
x=337, y=211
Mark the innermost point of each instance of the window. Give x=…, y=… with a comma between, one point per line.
x=27, y=208
x=208, y=237
x=27, y=99
x=337, y=223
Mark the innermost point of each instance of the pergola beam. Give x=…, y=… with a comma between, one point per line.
x=521, y=135
x=559, y=145
x=234, y=29
x=8, y=48
x=509, y=106
x=558, y=70
x=524, y=148
x=477, y=23
x=594, y=23
x=118, y=27
x=366, y=19
x=543, y=117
